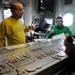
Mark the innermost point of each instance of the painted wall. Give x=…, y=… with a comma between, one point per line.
x=30, y=12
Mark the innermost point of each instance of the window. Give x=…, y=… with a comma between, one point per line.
x=7, y=13
x=68, y=19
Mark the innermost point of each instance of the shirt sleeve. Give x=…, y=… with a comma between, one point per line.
x=48, y=35
x=2, y=34
x=26, y=28
x=69, y=32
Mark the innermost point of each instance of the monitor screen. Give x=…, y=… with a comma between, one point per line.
x=41, y=24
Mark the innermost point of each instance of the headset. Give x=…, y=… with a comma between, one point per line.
x=17, y=13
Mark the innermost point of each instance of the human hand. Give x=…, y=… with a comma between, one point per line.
x=32, y=27
x=52, y=31
x=66, y=35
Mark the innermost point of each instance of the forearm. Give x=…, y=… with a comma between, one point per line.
x=27, y=28
x=48, y=35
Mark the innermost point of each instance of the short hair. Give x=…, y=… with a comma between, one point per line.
x=69, y=39
x=12, y=5
x=59, y=17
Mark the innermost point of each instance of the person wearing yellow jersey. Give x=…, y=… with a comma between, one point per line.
x=12, y=28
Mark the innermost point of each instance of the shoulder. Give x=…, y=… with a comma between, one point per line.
x=66, y=27
x=5, y=20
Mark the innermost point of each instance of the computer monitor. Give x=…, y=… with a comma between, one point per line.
x=40, y=24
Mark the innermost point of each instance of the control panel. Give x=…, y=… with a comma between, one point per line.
x=28, y=59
